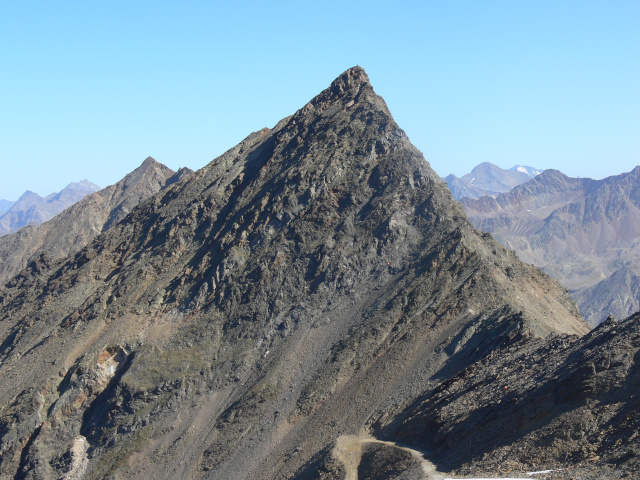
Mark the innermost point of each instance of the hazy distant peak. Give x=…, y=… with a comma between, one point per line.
x=552, y=176
x=71, y=194
x=32, y=209
x=489, y=179
x=531, y=171
x=82, y=186
x=28, y=195
x=485, y=166
x=5, y=205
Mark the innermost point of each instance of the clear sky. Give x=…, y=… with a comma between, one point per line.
x=90, y=89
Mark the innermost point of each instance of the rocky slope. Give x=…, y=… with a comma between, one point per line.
x=576, y=414
x=489, y=179
x=32, y=209
x=72, y=229
x=579, y=230
x=310, y=283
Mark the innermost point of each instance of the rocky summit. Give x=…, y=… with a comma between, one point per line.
x=313, y=286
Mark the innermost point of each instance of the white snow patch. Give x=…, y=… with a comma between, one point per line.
x=503, y=478
x=522, y=170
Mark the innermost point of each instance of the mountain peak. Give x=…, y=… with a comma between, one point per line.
x=327, y=239
x=82, y=185
x=354, y=77
x=28, y=194
x=148, y=169
x=348, y=89
x=530, y=171
x=148, y=162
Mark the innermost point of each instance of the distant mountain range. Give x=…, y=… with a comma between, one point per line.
x=32, y=209
x=72, y=229
x=5, y=205
x=585, y=233
x=489, y=179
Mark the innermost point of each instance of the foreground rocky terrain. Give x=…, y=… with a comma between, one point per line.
x=32, y=209
x=315, y=283
x=565, y=404
x=585, y=233
x=72, y=229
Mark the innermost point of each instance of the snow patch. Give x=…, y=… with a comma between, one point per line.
x=503, y=478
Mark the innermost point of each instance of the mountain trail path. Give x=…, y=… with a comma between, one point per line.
x=348, y=450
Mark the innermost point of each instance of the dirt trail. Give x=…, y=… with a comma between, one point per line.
x=348, y=450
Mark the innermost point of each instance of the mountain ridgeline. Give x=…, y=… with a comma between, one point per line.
x=489, y=179
x=583, y=232
x=317, y=280
x=72, y=229
x=32, y=209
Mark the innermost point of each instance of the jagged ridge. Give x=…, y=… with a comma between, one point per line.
x=72, y=229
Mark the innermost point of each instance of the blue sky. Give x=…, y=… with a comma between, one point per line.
x=90, y=89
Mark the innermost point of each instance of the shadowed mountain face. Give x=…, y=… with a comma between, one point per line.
x=583, y=232
x=32, y=209
x=72, y=229
x=309, y=283
x=516, y=411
